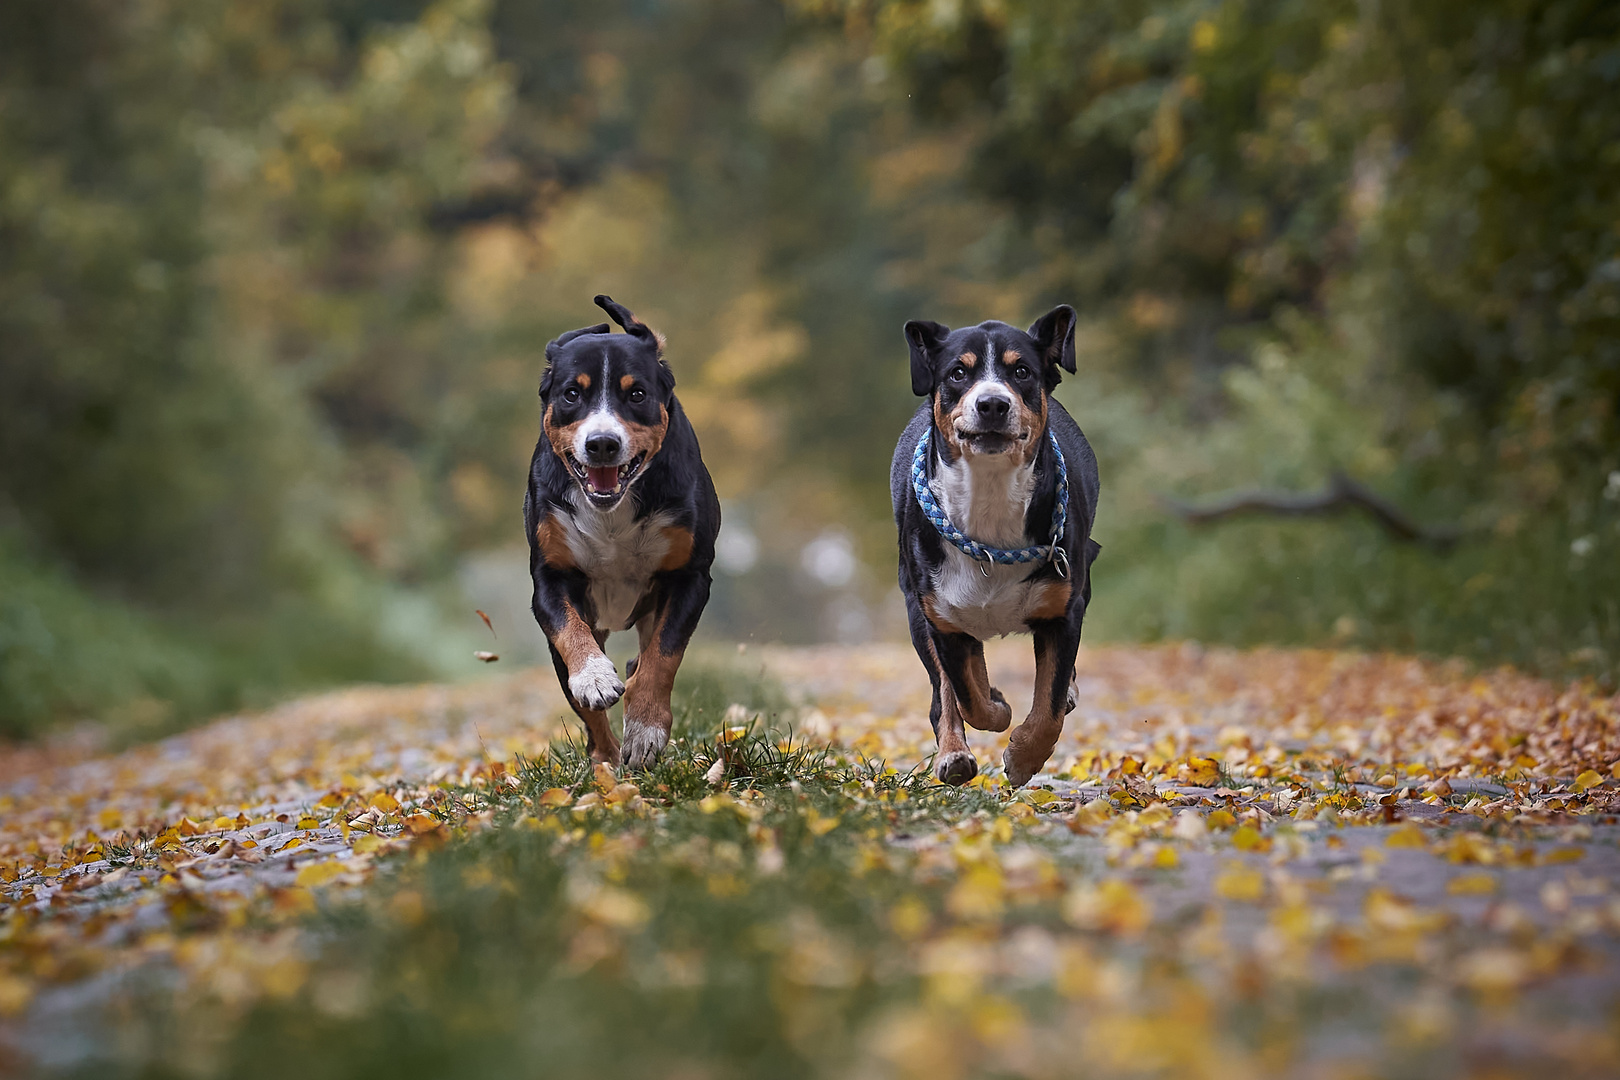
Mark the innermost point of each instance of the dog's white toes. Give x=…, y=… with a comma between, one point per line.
x=642, y=743
x=596, y=686
x=956, y=768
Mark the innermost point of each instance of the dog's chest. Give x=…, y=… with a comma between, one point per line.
x=619, y=554
x=986, y=600
x=988, y=502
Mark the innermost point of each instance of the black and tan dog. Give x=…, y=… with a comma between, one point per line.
x=990, y=476
x=621, y=517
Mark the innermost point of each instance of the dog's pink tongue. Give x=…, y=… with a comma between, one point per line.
x=602, y=479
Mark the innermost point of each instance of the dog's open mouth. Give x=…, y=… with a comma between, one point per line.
x=988, y=442
x=604, y=485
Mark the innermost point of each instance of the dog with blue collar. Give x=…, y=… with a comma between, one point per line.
x=995, y=491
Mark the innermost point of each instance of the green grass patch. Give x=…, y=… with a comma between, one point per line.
x=71, y=654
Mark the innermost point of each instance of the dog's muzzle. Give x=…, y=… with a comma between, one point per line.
x=989, y=418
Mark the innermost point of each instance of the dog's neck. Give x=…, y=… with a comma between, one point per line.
x=987, y=496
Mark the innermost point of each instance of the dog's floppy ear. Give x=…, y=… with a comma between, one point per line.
x=1054, y=334
x=557, y=343
x=638, y=329
x=925, y=338
x=632, y=325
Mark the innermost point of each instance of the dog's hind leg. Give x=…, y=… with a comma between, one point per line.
x=663, y=634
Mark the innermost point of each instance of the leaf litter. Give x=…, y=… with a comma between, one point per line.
x=1267, y=862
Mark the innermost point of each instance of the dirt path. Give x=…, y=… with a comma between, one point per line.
x=1373, y=808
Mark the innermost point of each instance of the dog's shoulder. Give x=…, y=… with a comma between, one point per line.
x=900, y=467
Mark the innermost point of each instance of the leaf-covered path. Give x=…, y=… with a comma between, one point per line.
x=1285, y=861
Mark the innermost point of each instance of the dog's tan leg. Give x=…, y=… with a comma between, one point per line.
x=954, y=764
x=1032, y=741
x=647, y=715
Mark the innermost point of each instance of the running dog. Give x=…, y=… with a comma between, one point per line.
x=995, y=490
x=621, y=517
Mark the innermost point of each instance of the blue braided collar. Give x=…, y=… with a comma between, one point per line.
x=1052, y=552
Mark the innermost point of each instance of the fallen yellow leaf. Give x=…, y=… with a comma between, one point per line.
x=1248, y=838
x=1471, y=885
x=1407, y=836
x=1591, y=778
x=1238, y=882
x=422, y=823
x=318, y=873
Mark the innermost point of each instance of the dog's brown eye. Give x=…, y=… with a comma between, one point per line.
x=957, y=373
x=637, y=396
x=1020, y=372
x=571, y=394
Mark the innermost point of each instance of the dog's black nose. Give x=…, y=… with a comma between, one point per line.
x=994, y=407
x=602, y=447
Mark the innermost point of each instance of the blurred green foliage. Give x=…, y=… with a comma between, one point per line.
x=274, y=280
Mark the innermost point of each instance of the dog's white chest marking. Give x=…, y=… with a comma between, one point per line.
x=987, y=498
x=618, y=553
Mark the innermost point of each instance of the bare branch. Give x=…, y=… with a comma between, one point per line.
x=1342, y=493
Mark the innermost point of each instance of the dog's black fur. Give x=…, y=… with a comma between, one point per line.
x=621, y=517
x=989, y=390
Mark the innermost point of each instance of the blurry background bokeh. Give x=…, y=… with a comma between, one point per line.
x=276, y=277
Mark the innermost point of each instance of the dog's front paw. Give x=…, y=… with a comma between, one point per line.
x=642, y=743
x=956, y=768
x=1072, y=699
x=1019, y=772
x=596, y=686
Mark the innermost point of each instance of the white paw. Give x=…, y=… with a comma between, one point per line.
x=596, y=686
x=642, y=743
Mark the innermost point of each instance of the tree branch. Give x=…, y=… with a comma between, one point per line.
x=1342, y=493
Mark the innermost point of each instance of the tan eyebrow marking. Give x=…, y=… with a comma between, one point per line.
x=967, y=359
x=584, y=381
x=627, y=382
x=1011, y=357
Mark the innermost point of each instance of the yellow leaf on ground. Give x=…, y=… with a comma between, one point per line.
x=421, y=823
x=1199, y=772
x=385, y=802
x=1407, y=836
x=1248, y=838
x=817, y=824
x=15, y=994
x=318, y=873
x=556, y=797
x=1220, y=819
x=1471, y=885
x=604, y=777
x=367, y=844
x=1238, y=882
x=1591, y=778
x=1112, y=905
x=1563, y=855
